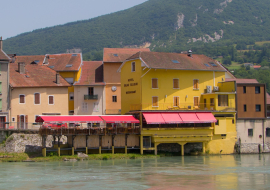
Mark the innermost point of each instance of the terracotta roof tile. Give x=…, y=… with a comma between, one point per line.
x=65, y=62
x=4, y=56
x=92, y=73
x=245, y=81
x=120, y=54
x=36, y=75
x=178, y=61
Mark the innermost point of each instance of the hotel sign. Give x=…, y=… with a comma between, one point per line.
x=131, y=83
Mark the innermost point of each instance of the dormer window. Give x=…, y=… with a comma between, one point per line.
x=68, y=65
x=115, y=55
x=175, y=61
x=74, y=55
x=213, y=64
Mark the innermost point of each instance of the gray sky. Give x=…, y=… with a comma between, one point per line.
x=19, y=16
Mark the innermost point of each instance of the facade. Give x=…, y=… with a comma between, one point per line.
x=4, y=87
x=69, y=67
x=251, y=114
x=89, y=91
x=185, y=87
x=35, y=90
x=112, y=60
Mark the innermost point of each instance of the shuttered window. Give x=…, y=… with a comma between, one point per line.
x=176, y=101
x=196, y=101
x=175, y=83
x=155, y=101
x=37, y=98
x=222, y=100
x=22, y=99
x=51, y=100
x=133, y=67
x=154, y=83
x=195, y=84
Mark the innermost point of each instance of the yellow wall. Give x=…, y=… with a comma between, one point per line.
x=227, y=86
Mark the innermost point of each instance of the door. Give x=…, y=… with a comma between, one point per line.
x=2, y=122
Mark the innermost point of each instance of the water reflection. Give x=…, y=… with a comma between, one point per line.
x=194, y=172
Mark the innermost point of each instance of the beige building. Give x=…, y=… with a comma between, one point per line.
x=35, y=90
x=89, y=91
x=4, y=87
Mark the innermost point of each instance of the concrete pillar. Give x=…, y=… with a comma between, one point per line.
x=72, y=151
x=99, y=150
x=203, y=147
x=182, y=150
x=44, y=152
x=125, y=149
x=58, y=150
x=112, y=149
x=141, y=144
x=156, y=144
x=86, y=150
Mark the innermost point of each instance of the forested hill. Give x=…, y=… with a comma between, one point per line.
x=165, y=25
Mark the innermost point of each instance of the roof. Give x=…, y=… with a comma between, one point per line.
x=36, y=75
x=92, y=73
x=178, y=61
x=117, y=55
x=4, y=56
x=64, y=62
x=242, y=81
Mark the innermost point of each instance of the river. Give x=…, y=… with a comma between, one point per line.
x=189, y=172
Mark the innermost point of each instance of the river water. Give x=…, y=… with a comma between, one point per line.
x=189, y=172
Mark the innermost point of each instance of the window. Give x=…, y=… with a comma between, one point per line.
x=196, y=101
x=250, y=132
x=245, y=107
x=71, y=96
x=222, y=100
x=212, y=101
x=114, y=98
x=69, y=80
x=154, y=101
x=51, y=100
x=176, y=101
x=257, y=90
x=90, y=90
x=133, y=67
x=154, y=83
x=13, y=119
x=258, y=107
x=267, y=132
x=244, y=89
x=196, y=84
x=176, y=83
x=84, y=107
x=37, y=98
x=217, y=122
x=146, y=142
x=95, y=107
x=22, y=99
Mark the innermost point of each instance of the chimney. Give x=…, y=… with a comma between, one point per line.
x=1, y=43
x=46, y=61
x=190, y=53
x=21, y=67
x=57, y=78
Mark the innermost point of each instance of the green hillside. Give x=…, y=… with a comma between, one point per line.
x=168, y=25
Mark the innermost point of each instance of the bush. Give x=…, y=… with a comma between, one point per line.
x=52, y=154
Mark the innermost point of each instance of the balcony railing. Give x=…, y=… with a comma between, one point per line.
x=90, y=97
x=182, y=107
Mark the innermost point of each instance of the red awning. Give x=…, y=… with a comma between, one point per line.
x=119, y=119
x=206, y=117
x=171, y=118
x=153, y=118
x=69, y=119
x=189, y=118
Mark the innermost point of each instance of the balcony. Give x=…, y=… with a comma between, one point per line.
x=182, y=107
x=90, y=97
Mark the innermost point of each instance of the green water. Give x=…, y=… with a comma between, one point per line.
x=190, y=172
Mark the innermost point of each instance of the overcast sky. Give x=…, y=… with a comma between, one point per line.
x=19, y=16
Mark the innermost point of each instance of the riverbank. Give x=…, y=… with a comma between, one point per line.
x=32, y=157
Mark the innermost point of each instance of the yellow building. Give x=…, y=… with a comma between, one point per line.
x=69, y=67
x=175, y=96
x=35, y=90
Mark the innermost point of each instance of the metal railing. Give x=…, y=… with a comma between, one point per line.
x=181, y=106
x=20, y=125
x=90, y=97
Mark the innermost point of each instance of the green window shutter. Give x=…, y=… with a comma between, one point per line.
x=0, y=104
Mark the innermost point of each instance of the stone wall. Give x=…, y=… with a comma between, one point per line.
x=19, y=143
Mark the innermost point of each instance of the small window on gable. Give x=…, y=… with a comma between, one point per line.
x=22, y=99
x=133, y=67
x=51, y=100
x=37, y=98
x=176, y=83
x=154, y=83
